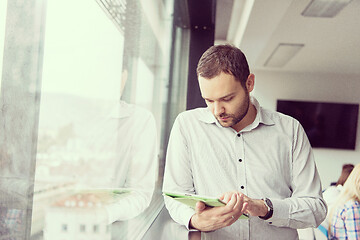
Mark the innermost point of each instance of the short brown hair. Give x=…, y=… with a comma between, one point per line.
x=224, y=58
x=346, y=170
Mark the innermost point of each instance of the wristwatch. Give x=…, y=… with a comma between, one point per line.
x=269, y=206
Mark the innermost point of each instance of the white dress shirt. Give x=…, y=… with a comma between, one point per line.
x=271, y=158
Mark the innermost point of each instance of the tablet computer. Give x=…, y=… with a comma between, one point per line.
x=191, y=200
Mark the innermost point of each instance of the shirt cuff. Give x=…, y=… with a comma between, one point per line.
x=186, y=218
x=281, y=214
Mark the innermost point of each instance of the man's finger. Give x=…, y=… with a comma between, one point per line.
x=200, y=206
x=239, y=204
x=245, y=207
x=233, y=200
x=227, y=197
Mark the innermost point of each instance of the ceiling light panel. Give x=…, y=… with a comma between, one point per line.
x=324, y=8
x=282, y=54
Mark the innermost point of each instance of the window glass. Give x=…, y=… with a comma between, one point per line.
x=19, y=100
x=3, y=5
x=82, y=228
x=84, y=103
x=83, y=52
x=144, y=89
x=103, y=102
x=64, y=228
x=96, y=228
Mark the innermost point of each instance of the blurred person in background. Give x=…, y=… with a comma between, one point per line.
x=330, y=194
x=344, y=216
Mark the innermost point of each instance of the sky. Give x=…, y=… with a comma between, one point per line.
x=83, y=50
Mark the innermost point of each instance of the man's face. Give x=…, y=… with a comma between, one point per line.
x=226, y=98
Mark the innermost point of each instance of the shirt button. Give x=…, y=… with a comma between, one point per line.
x=238, y=134
x=240, y=160
x=242, y=187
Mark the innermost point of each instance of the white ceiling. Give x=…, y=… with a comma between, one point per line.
x=332, y=45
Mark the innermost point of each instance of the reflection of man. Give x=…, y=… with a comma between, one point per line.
x=128, y=139
x=258, y=161
x=119, y=172
x=136, y=165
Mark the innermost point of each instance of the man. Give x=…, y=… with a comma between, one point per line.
x=258, y=161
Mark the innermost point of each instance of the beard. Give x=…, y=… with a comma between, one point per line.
x=235, y=118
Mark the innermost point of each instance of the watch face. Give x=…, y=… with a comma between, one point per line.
x=269, y=206
x=269, y=203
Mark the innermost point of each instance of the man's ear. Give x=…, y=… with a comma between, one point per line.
x=250, y=82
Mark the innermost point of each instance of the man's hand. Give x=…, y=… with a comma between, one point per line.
x=256, y=207
x=212, y=218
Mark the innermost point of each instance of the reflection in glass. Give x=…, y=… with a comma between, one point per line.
x=3, y=5
x=20, y=61
x=97, y=156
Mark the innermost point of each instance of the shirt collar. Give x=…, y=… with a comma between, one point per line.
x=261, y=117
x=206, y=116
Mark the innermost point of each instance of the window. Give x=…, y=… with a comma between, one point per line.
x=80, y=70
x=3, y=5
x=64, y=227
x=82, y=228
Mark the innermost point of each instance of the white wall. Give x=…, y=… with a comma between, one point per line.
x=270, y=86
